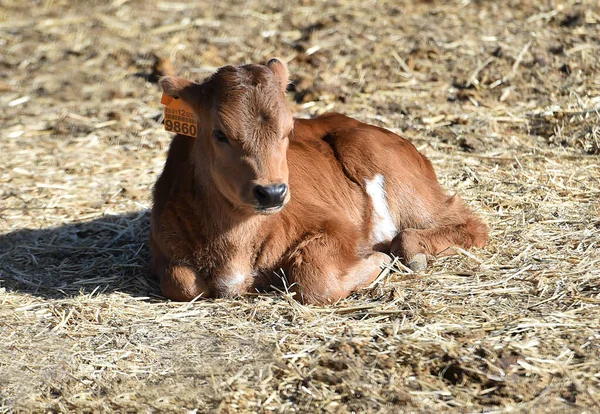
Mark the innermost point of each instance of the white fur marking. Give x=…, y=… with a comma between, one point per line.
x=231, y=283
x=384, y=228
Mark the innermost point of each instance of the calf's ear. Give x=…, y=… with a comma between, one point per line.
x=182, y=88
x=280, y=70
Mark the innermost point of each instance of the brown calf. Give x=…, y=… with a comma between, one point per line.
x=322, y=200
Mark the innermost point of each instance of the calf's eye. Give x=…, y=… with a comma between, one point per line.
x=220, y=136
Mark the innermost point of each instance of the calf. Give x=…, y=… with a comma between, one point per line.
x=323, y=200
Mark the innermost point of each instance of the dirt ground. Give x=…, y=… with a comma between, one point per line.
x=504, y=97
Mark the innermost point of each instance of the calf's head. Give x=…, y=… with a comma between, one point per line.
x=244, y=123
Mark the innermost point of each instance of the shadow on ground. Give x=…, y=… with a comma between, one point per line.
x=104, y=255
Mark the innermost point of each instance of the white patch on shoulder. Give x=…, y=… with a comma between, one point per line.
x=384, y=228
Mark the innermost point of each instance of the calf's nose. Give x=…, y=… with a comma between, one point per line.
x=270, y=195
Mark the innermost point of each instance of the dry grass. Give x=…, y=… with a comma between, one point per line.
x=504, y=97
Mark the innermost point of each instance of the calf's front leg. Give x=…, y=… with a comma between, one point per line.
x=322, y=271
x=181, y=283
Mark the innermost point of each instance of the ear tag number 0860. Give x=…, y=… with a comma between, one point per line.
x=179, y=117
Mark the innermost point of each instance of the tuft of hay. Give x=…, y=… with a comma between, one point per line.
x=503, y=97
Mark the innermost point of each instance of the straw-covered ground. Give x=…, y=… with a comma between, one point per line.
x=504, y=97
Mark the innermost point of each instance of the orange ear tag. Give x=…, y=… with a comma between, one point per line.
x=179, y=117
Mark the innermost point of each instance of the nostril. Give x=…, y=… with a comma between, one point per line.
x=281, y=190
x=261, y=193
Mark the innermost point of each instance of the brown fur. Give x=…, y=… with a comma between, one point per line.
x=209, y=238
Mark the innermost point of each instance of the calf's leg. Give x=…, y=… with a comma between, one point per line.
x=181, y=283
x=415, y=246
x=322, y=271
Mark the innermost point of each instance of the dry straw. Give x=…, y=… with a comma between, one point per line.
x=504, y=97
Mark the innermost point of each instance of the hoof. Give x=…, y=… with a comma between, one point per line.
x=418, y=263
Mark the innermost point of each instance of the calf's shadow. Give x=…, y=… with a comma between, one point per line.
x=109, y=254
